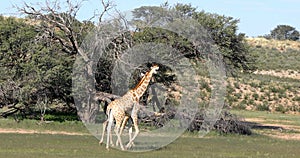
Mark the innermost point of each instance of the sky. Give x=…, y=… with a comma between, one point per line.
x=257, y=17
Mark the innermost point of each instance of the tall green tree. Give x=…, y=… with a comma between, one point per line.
x=15, y=40
x=285, y=32
x=222, y=29
x=59, y=28
x=33, y=69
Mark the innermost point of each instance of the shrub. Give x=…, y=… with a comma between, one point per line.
x=296, y=98
x=294, y=108
x=241, y=106
x=254, y=85
x=236, y=85
x=282, y=95
x=263, y=107
x=251, y=102
x=281, y=108
x=227, y=123
x=205, y=85
x=230, y=123
x=231, y=99
x=255, y=96
x=238, y=95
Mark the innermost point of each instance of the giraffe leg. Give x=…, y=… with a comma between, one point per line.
x=110, y=122
x=117, y=131
x=130, y=135
x=105, y=123
x=130, y=132
x=136, y=127
x=122, y=127
x=111, y=140
x=103, y=131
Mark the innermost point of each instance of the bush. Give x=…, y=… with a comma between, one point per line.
x=296, y=98
x=230, y=123
x=263, y=107
x=241, y=106
x=281, y=108
x=61, y=117
x=255, y=96
x=227, y=123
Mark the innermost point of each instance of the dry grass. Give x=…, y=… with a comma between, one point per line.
x=280, y=73
x=275, y=85
x=276, y=125
x=255, y=94
x=274, y=44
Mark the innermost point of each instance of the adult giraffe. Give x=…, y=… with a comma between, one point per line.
x=125, y=107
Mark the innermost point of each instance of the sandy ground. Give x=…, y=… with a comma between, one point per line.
x=27, y=131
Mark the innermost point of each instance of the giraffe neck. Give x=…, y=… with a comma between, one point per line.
x=141, y=87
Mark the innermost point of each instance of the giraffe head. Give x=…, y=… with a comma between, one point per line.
x=154, y=68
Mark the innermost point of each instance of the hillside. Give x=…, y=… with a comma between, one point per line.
x=275, y=85
x=274, y=44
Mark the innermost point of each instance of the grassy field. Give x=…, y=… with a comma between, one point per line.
x=49, y=146
x=276, y=123
x=75, y=127
x=268, y=117
x=275, y=54
x=275, y=85
x=212, y=145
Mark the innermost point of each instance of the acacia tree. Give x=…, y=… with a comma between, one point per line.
x=285, y=32
x=222, y=29
x=60, y=31
x=57, y=26
x=15, y=38
x=33, y=68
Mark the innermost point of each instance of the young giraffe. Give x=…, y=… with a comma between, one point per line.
x=123, y=108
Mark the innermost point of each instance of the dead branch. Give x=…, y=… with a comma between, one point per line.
x=107, y=5
x=102, y=96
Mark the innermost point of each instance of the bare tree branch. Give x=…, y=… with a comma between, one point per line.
x=53, y=19
x=107, y=5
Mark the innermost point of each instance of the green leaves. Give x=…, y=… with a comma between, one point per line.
x=37, y=54
x=36, y=68
x=222, y=29
x=285, y=32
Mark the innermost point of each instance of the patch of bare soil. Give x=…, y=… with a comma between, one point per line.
x=28, y=131
x=276, y=129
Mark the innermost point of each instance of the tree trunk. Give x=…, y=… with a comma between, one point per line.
x=88, y=114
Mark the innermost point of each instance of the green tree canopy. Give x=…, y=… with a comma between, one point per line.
x=31, y=68
x=222, y=29
x=38, y=52
x=285, y=32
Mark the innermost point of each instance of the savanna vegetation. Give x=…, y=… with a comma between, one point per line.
x=38, y=52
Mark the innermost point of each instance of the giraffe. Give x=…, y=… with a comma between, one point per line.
x=123, y=124
x=125, y=107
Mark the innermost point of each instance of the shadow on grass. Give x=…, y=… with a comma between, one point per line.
x=255, y=125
